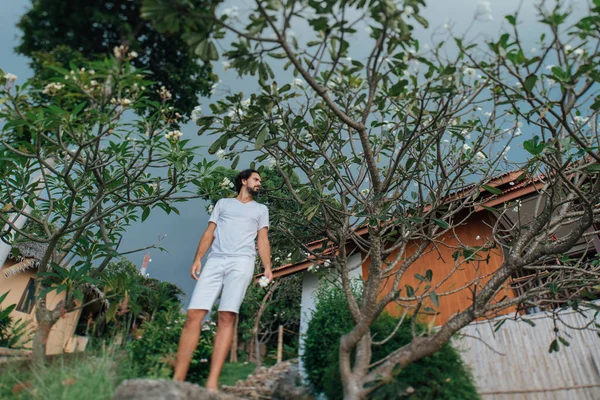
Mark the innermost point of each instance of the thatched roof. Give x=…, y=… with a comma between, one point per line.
x=29, y=249
x=27, y=255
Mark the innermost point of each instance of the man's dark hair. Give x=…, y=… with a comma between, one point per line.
x=245, y=174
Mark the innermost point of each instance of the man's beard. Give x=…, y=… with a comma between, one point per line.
x=253, y=191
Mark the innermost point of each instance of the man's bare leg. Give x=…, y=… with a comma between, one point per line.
x=188, y=342
x=221, y=347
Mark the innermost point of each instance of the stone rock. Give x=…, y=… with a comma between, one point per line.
x=289, y=386
x=278, y=382
x=149, y=389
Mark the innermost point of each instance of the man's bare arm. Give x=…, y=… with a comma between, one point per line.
x=264, y=251
x=205, y=242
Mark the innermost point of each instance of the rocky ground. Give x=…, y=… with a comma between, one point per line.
x=278, y=382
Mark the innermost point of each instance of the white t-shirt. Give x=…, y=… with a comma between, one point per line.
x=237, y=227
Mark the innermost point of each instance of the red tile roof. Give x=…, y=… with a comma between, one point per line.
x=501, y=182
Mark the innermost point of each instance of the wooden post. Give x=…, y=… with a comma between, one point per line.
x=280, y=345
x=234, y=344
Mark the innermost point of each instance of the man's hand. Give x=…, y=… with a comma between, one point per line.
x=268, y=274
x=195, y=270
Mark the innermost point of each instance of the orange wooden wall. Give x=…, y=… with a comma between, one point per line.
x=439, y=259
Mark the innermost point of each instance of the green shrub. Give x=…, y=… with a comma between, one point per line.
x=13, y=334
x=154, y=351
x=441, y=376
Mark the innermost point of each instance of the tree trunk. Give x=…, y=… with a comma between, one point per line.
x=234, y=344
x=45, y=321
x=255, y=330
x=352, y=376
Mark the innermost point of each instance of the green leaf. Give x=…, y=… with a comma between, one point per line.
x=491, y=189
x=553, y=346
x=429, y=275
x=410, y=291
x=530, y=82
x=260, y=139
x=534, y=146
x=434, y=298
x=145, y=213
x=441, y=223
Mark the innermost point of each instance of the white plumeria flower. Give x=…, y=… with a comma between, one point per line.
x=10, y=78
x=483, y=12
x=468, y=71
x=517, y=206
x=272, y=162
x=479, y=156
x=517, y=132
x=511, y=183
x=579, y=120
x=124, y=102
x=53, y=88
x=447, y=27
x=133, y=54
x=408, y=11
x=231, y=12
x=327, y=263
x=164, y=93
x=477, y=237
x=245, y=103
x=173, y=136
x=349, y=59
x=466, y=147
x=487, y=114
x=203, y=360
x=579, y=52
x=226, y=183
x=263, y=282
x=549, y=67
x=365, y=192
x=297, y=82
x=533, y=50
x=550, y=82
x=568, y=48
x=220, y=154
x=211, y=208
x=197, y=113
x=226, y=65
x=213, y=88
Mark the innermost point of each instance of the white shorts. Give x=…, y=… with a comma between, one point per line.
x=231, y=275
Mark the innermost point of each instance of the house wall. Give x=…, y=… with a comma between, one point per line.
x=310, y=285
x=453, y=294
x=514, y=362
x=64, y=328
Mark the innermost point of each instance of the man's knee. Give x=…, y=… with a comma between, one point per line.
x=194, y=318
x=226, y=318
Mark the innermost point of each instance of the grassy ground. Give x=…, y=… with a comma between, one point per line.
x=70, y=377
x=232, y=372
x=75, y=377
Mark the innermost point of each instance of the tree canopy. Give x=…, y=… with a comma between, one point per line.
x=398, y=144
x=68, y=32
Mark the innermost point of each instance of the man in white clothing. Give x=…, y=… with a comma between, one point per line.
x=233, y=226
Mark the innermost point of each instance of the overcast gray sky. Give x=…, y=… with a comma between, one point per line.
x=184, y=231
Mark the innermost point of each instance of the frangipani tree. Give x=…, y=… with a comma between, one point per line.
x=403, y=141
x=78, y=162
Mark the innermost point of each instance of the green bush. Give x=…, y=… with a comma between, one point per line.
x=13, y=334
x=442, y=376
x=154, y=351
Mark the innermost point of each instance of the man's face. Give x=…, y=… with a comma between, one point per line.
x=253, y=184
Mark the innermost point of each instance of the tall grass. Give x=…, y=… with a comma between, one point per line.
x=67, y=377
